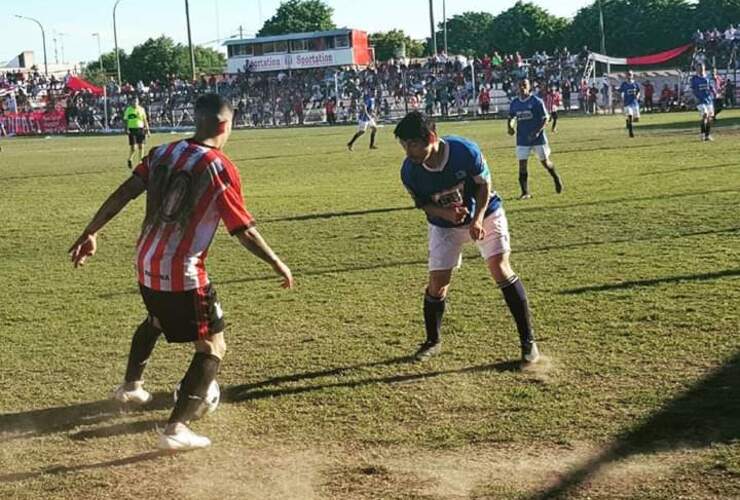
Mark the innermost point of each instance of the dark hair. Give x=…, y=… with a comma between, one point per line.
x=415, y=126
x=210, y=105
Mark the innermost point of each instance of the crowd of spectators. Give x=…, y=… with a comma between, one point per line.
x=442, y=85
x=718, y=48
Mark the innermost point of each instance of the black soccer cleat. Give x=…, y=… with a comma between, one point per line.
x=130, y=164
x=558, y=183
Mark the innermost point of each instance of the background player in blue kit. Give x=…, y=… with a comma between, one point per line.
x=449, y=180
x=630, y=91
x=366, y=120
x=701, y=86
x=531, y=119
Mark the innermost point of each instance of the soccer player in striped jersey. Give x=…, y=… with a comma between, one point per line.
x=190, y=185
x=702, y=88
x=553, y=100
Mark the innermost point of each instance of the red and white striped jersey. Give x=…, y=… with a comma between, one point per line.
x=190, y=188
x=552, y=101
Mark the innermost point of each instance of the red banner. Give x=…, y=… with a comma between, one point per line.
x=658, y=58
x=37, y=122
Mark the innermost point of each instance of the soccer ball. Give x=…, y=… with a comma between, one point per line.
x=209, y=404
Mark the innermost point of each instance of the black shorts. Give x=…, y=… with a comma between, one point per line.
x=185, y=316
x=136, y=135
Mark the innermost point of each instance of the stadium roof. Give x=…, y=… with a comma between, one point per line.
x=290, y=36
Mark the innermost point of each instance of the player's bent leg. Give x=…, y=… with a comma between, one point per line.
x=193, y=391
x=515, y=296
x=550, y=167
x=357, y=135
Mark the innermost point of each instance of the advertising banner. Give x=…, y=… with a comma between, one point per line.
x=36, y=122
x=300, y=60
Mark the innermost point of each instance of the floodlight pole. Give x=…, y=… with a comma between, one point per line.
x=603, y=51
x=115, y=42
x=43, y=39
x=100, y=54
x=431, y=25
x=444, y=16
x=190, y=40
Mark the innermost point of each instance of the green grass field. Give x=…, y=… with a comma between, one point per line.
x=633, y=274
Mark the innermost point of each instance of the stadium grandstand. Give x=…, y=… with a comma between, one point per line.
x=289, y=79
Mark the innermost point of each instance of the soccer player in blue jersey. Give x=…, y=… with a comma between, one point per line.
x=366, y=120
x=630, y=91
x=449, y=180
x=531, y=120
x=702, y=88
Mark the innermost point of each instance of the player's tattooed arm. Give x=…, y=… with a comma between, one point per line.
x=86, y=245
x=252, y=240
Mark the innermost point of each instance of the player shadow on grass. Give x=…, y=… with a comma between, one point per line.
x=330, y=215
x=706, y=414
x=267, y=389
x=66, y=469
x=64, y=418
x=692, y=126
x=626, y=285
x=42, y=176
x=695, y=168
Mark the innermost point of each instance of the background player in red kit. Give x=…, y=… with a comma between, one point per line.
x=191, y=186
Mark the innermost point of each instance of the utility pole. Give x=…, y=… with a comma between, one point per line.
x=603, y=51
x=54, y=41
x=190, y=39
x=115, y=41
x=431, y=25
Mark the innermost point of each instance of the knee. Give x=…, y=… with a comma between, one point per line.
x=500, y=268
x=437, y=291
x=215, y=346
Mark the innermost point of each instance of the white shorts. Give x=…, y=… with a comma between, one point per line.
x=363, y=125
x=542, y=151
x=446, y=243
x=706, y=109
x=632, y=110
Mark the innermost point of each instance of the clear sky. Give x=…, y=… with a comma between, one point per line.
x=73, y=23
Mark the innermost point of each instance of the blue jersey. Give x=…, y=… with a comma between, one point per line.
x=367, y=113
x=531, y=116
x=454, y=184
x=630, y=91
x=701, y=86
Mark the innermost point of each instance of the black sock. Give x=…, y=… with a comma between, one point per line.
x=523, y=175
x=516, y=299
x=372, y=139
x=703, y=127
x=554, y=121
x=354, y=138
x=629, y=126
x=551, y=170
x=194, y=387
x=707, y=128
x=434, y=309
x=142, y=345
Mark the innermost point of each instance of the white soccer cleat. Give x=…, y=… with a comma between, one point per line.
x=530, y=353
x=138, y=396
x=183, y=439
